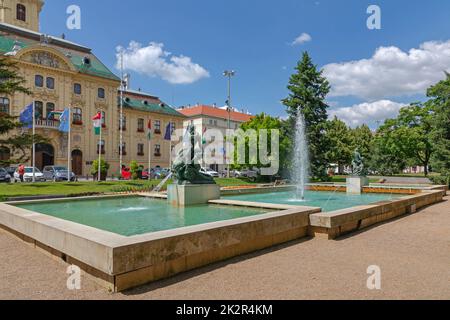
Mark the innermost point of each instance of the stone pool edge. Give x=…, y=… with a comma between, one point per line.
x=341, y=222
x=120, y=263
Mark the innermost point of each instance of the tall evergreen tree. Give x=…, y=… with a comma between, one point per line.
x=308, y=90
x=17, y=144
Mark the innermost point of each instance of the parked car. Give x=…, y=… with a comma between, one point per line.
x=28, y=176
x=4, y=176
x=11, y=170
x=210, y=172
x=57, y=173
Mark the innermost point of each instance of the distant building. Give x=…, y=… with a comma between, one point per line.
x=211, y=117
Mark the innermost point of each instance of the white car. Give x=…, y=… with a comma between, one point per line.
x=210, y=172
x=28, y=176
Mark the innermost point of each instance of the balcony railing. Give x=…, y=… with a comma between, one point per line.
x=47, y=124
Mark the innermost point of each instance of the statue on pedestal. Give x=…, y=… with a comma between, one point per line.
x=359, y=169
x=187, y=166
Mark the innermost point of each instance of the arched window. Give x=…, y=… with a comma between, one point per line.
x=38, y=110
x=21, y=12
x=38, y=81
x=102, y=146
x=49, y=108
x=77, y=116
x=4, y=105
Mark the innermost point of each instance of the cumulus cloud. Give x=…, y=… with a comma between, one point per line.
x=368, y=112
x=390, y=72
x=154, y=61
x=301, y=39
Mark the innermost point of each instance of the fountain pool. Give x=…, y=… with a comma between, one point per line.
x=137, y=215
x=328, y=201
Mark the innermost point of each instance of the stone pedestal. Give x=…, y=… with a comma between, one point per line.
x=355, y=185
x=181, y=196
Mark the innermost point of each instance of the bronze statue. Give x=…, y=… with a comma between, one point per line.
x=358, y=164
x=186, y=167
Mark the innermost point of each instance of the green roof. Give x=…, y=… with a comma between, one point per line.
x=96, y=67
x=138, y=104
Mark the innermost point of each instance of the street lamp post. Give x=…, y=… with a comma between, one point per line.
x=229, y=74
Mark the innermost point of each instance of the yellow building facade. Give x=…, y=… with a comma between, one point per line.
x=63, y=74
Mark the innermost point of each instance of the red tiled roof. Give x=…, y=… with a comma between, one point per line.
x=216, y=113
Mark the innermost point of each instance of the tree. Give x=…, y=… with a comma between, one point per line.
x=308, y=90
x=18, y=144
x=409, y=136
x=264, y=122
x=340, y=140
x=382, y=160
x=361, y=138
x=440, y=103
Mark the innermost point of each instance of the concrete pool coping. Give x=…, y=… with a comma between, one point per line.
x=120, y=262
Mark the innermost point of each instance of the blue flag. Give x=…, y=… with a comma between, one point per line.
x=168, y=135
x=26, y=116
x=64, y=121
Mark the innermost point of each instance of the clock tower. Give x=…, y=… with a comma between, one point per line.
x=21, y=13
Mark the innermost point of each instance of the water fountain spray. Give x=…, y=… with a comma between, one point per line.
x=301, y=157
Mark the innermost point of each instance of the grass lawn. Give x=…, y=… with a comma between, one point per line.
x=80, y=188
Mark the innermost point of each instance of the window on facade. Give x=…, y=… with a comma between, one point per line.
x=5, y=154
x=101, y=146
x=4, y=105
x=103, y=119
x=77, y=117
x=140, y=148
x=173, y=127
x=38, y=110
x=51, y=83
x=49, y=108
x=123, y=123
x=140, y=125
x=157, y=150
x=157, y=126
x=123, y=149
x=21, y=12
x=39, y=81
x=77, y=88
x=101, y=93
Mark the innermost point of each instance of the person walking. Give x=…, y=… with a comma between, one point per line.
x=21, y=171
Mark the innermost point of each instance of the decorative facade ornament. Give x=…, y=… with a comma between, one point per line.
x=45, y=59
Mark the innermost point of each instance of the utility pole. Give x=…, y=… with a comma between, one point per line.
x=229, y=74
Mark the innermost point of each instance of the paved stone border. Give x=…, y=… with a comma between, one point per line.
x=337, y=223
x=120, y=263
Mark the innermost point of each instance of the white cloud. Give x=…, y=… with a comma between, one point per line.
x=390, y=72
x=368, y=112
x=154, y=61
x=301, y=39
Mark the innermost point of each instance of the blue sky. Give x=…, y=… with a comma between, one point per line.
x=255, y=39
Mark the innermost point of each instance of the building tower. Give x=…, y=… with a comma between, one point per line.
x=21, y=13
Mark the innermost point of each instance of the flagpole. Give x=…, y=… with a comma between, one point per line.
x=100, y=147
x=34, y=144
x=69, y=153
x=121, y=114
x=170, y=146
x=149, y=159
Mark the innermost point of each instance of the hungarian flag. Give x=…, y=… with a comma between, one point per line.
x=149, y=129
x=97, y=123
x=203, y=136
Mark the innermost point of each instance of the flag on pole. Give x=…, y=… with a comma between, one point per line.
x=64, y=121
x=168, y=135
x=149, y=129
x=97, y=123
x=26, y=116
x=203, y=136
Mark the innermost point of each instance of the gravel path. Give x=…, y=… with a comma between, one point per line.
x=413, y=253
